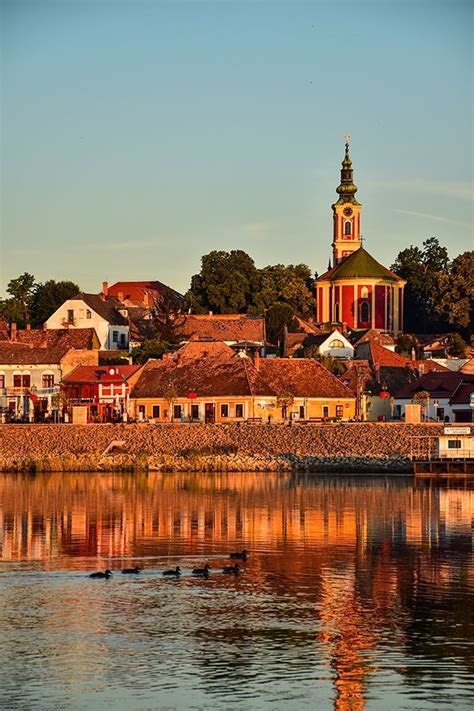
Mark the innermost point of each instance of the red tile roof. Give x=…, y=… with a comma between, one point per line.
x=212, y=369
x=439, y=385
x=101, y=373
x=23, y=354
x=61, y=337
x=140, y=291
x=225, y=327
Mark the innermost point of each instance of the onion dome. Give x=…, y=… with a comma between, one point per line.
x=347, y=189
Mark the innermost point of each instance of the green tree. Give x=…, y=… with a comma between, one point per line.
x=456, y=348
x=456, y=293
x=422, y=269
x=226, y=283
x=48, y=297
x=405, y=342
x=17, y=308
x=292, y=285
x=150, y=348
x=168, y=319
x=276, y=318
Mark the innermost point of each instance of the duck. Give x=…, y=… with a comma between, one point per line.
x=176, y=572
x=239, y=556
x=132, y=571
x=203, y=572
x=101, y=574
x=235, y=569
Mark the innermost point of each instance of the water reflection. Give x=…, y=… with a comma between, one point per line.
x=358, y=592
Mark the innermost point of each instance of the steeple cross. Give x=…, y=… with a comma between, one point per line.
x=346, y=139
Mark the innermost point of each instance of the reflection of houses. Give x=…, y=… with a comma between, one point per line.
x=450, y=395
x=102, y=312
x=235, y=330
x=104, y=390
x=30, y=375
x=207, y=381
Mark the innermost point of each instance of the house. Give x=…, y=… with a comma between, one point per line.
x=105, y=314
x=333, y=344
x=450, y=396
x=209, y=382
x=104, y=390
x=139, y=293
x=239, y=331
x=30, y=376
x=371, y=334
x=376, y=377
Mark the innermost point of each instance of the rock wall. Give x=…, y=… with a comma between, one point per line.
x=234, y=447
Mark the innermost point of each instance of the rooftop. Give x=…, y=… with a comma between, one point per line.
x=359, y=265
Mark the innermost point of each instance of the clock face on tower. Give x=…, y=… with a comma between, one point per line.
x=347, y=211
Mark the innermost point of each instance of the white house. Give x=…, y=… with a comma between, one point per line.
x=450, y=396
x=333, y=344
x=104, y=313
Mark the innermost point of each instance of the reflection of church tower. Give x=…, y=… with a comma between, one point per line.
x=346, y=214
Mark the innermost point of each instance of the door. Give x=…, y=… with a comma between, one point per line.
x=209, y=412
x=325, y=412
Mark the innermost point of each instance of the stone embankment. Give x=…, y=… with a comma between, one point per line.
x=349, y=447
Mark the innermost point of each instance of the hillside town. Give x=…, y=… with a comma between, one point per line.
x=139, y=351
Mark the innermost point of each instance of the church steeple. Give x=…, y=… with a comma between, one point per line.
x=346, y=213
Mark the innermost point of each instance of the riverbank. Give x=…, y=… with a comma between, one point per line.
x=342, y=447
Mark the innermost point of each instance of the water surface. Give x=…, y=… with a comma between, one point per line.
x=357, y=594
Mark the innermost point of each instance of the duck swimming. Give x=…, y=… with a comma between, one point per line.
x=132, y=571
x=203, y=572
x=239, y=556
x=176, y=572
x=235, y=569
x=100, y=574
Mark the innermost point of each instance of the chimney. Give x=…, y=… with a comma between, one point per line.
x=105, y=288
x=210, y=313
x=413, y=354
x=344, y=328
x=13, y=331
x=45, y=326
x=256, y=360
x=120, y=297
x=28, y=326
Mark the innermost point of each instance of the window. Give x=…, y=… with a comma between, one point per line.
x=364, y=293
x=70, y=315
x=454, y=444
x=195, y=412
x=17, y=381
x=48, y=381
x=325, y=411
x=2, y=381
x=336, y=312
x=141, y=412
x=302, y=413
x=239, y=410
x=21, y=381
x=364, y=312
x=336, y=343
x=347, y=228
x=88, y=313
x=115, y=336
x=177, y=412
x=156, y=412
x=339, y=410
x=123, y=339
x=224, y=410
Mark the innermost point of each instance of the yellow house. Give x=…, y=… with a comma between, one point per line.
x=208, y=382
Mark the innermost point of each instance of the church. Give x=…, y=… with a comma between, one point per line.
x=356, y=290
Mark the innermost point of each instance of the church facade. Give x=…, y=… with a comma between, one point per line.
x=356, y=290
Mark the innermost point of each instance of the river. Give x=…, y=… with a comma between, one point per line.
x=357, y=592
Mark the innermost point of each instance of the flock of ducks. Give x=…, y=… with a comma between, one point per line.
x=204, y=572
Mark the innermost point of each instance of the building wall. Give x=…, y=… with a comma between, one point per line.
x=257, y=407
x=76, y=357
x=85, y=317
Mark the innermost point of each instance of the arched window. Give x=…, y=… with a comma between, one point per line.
x=364, y=312
x=364, y=292
x=347, y=228
x=337, y=343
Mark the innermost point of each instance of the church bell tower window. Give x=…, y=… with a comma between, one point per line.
x=347, y=228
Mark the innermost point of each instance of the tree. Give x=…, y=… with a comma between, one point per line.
x=150, y=348
x=226, y=283
x=422, y=269
x=405, y=342
x=170, y=395
x=48, y=297
x=167, y=321
x=277, y=317
x=456, y=348
x=456, y=293
x=285, y=399
x=292, y=285
x=17, y=308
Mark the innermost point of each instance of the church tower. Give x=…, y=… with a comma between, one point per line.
x=346, y=214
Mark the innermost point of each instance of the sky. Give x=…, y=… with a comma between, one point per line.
x=138, y=136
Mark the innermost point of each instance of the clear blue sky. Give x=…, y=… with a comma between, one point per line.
x=138, y=136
